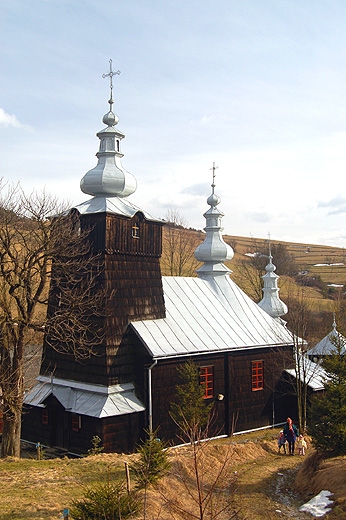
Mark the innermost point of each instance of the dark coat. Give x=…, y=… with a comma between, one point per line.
x=290, y=435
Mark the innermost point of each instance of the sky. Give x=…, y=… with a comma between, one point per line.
x=256, y=87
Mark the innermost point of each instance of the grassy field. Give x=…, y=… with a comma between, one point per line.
x=308, y=257
x=40, y=490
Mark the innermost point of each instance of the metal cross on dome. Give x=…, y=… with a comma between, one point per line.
x=111, y=74
x=213, y=168
x=269, y=245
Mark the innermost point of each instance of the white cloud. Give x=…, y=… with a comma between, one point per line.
x=9, y=120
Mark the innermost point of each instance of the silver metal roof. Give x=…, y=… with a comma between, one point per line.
x=109, y=178
x=116, y=205
x=213, y=251
x=208, y=315
x=271, y=302
x=86, y=399
x=326, y=346
x=311, y=373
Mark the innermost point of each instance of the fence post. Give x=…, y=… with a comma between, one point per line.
x=127, y=472
x=39, y=451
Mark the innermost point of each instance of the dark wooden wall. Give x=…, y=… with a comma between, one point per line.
x=245, y=408
x=254, y=409
x=241, y=407
x=129, y=273
x=118, y=434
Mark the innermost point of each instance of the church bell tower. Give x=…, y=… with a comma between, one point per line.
x=129, y=243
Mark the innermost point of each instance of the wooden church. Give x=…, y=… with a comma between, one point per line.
x=155, y=325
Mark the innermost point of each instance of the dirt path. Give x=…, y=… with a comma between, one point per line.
x=265, y=488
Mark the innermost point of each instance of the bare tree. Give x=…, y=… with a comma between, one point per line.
x=178, y=247
x=33, y=247
x=249, y=275
x=299, y=320
x=207, y=477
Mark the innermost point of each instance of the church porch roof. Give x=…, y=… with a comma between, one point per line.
x=86, y=399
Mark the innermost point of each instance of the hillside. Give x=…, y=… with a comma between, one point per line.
x=317, y=280
x=316, y=260
x=259, y=483
x=328, y=262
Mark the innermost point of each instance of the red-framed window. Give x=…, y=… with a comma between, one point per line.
x=45, y=416
x=257, y=375
x=206, y=378
x=76, y=422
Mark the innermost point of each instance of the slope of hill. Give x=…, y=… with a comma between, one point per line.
x=326, y=261
x=260, y=483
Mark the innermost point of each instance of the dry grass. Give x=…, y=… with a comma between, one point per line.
x=318, y=474
x=305, y=255
x=40, y=490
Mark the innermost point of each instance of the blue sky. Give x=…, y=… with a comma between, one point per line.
x=256, y=86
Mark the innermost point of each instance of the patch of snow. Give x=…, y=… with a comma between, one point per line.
x=335, y=285
x=319, y=505
x=327, y=265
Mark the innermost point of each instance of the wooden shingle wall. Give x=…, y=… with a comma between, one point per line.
x=129, y=272
x=236, y=405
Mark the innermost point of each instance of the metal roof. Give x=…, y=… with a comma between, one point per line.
x=116, y=205
x=311, y=373
x=327, y=346
x=208, y=315
x=86, y=399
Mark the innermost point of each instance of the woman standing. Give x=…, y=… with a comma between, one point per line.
x=291, y=434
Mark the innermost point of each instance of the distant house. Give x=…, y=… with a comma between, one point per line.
x=155, y=325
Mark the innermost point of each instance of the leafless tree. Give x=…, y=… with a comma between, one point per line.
x=252, y=268
x=178, y=247
x=206, y=476
x=39, y=239
x=299, y=320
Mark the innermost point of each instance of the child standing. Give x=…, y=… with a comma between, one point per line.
x=301, y=445
x=281, y=442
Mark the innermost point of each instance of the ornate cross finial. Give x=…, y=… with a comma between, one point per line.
x=110, y=76
x=269, y=245
x=213, y=169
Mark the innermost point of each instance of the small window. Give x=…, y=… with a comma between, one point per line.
x=76, y=422
x=45, y=416
x=257, y=375
x=135, y=231
x=206, y=377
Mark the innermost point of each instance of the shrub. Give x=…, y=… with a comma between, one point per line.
x=96, y=448
x=106, y=501
x=152, y=463
x=327, y=424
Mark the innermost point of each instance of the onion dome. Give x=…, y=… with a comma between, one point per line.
x=109, y=178
x=214, y=250
x=271, y=302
